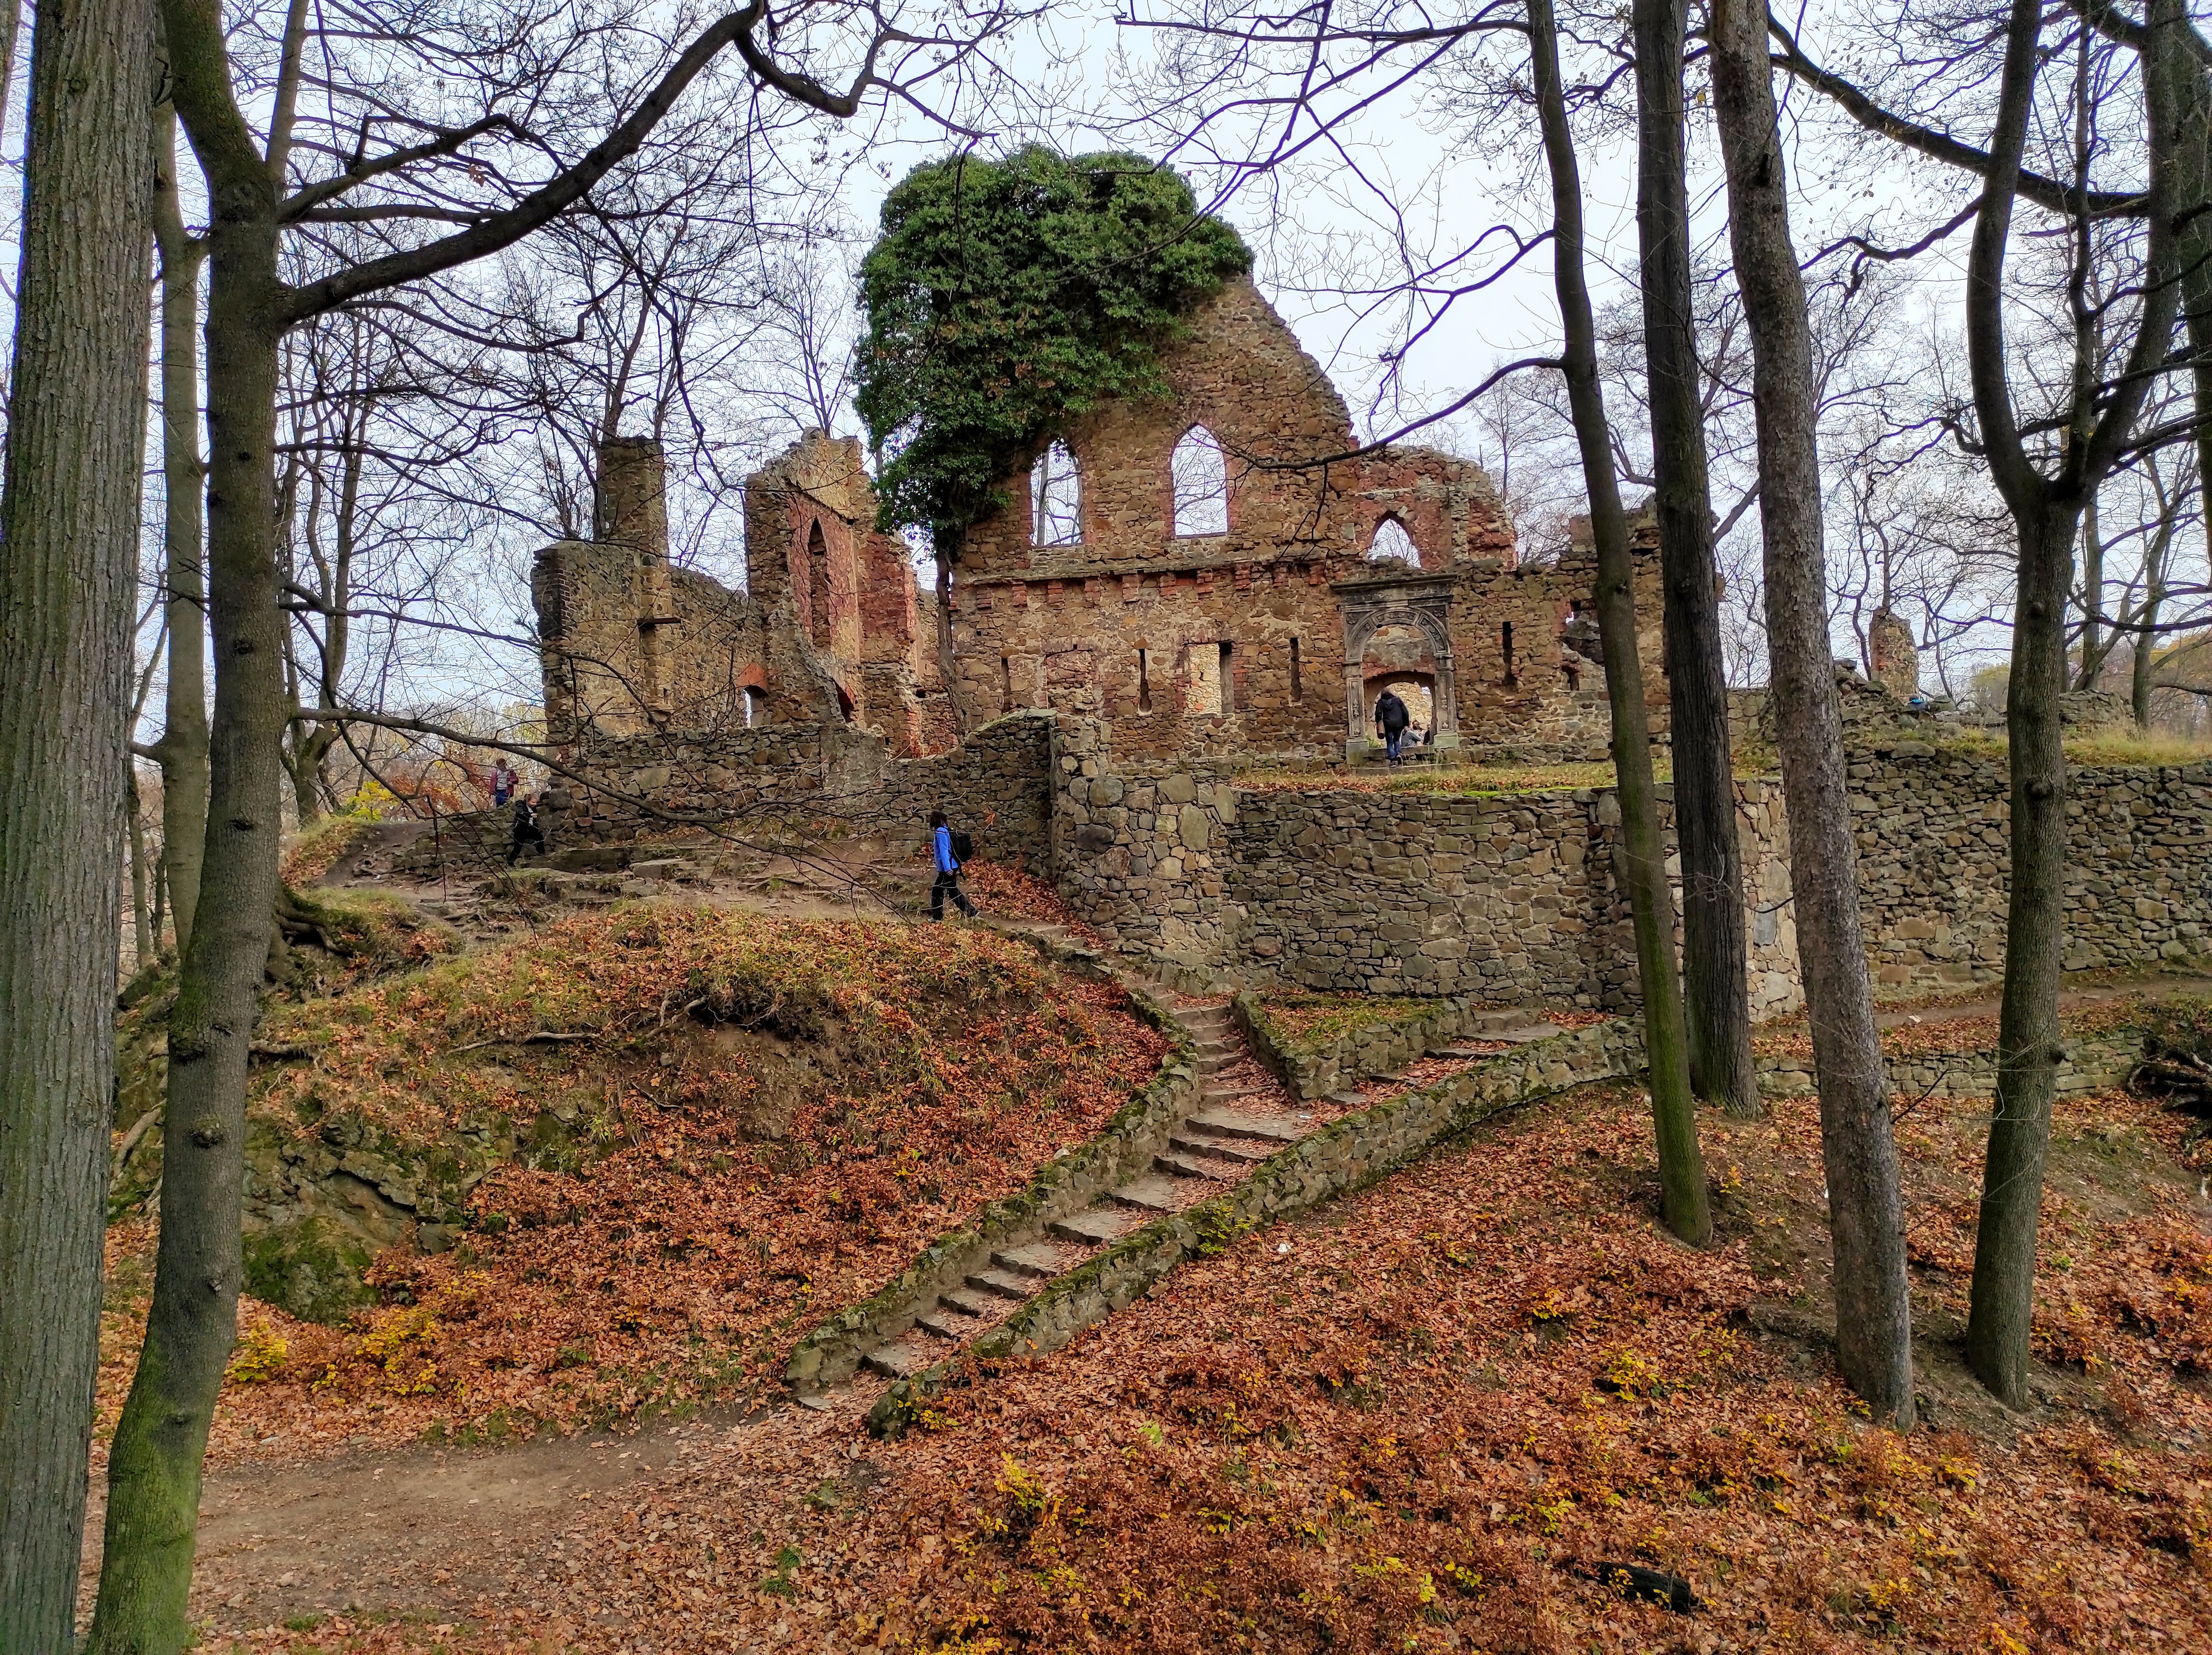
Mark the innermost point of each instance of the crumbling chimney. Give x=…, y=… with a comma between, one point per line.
x=633, y=507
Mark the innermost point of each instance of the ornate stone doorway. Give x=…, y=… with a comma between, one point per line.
x=1401, y=610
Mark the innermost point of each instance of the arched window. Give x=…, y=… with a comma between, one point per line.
x=1391, y=541
x=1055, y=500
x=1202, y=484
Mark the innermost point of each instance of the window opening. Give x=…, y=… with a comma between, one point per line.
x=755, y=708
x=1391, y=541
x=817, y=587
x=1505, y=649
x=1144, y=682
x=1228, y=681
x=1294, y=669
x=1005, y=683
x=1201, y=475
x=1055, y=498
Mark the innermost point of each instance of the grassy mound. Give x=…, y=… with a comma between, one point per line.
x=651, y=1144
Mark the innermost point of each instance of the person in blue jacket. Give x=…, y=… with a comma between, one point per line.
x=948, y=871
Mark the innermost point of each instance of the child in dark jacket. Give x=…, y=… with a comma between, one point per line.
x=948, y=871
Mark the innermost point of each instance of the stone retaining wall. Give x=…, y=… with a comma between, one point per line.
x=1346, y=1154
x=1931, y=826
x=1383, y=1048
x=2093, y=1063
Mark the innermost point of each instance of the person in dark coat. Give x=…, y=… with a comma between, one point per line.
x=1391, y=719
x=527, y=830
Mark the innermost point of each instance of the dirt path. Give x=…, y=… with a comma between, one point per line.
x=428, y=1530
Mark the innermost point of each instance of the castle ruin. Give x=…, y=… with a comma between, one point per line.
x=1225, y=571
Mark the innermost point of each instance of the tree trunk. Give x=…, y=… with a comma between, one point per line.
x=69, y=560
x=1715, y=956
x=142, y=909
x=1643, y=863
x=2046, y=513
x=2028, y=1036
x=2094, y=643
x=2139, y=680
x=183, y=749
x=153, y=1471
x=1874, y=1311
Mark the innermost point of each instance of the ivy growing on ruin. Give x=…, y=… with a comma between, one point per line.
x=1003, y=298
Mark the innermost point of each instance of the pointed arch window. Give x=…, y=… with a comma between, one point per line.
x=1200, y=471
x=1391, y=541
x=1055, y=498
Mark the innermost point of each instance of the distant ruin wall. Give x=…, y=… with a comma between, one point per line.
x=782, y=782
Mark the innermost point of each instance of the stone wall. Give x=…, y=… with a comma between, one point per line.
x=1933, y=857
x=782, y=783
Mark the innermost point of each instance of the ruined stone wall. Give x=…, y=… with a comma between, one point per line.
x=627, y=642
x=1933, y=863
x=811, y=782
x=1229, y=643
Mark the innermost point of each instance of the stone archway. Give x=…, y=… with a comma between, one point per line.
x=1419, y=603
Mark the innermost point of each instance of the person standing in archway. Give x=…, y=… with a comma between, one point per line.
x=1390, y=721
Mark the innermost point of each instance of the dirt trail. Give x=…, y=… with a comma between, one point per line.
x=426, y=1530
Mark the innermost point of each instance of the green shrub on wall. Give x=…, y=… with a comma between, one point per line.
x=1004, y=298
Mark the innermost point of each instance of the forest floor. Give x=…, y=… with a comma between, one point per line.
x=1430, y=1416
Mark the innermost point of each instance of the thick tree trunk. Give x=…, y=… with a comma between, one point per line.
x=1642, y=862
x=154, y=1472
x=1874, y=1310
x=2028, y=1037
x=2046, y=513
x=183, y=749
x=68, y=558
x=1715, y=956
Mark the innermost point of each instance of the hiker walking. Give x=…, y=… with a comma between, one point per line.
x=504, y=780
x=951, y=849
x=1390, y=720
x=527, y=830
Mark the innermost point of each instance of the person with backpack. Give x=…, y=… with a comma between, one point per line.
x=1391, y=719
x=503, y=780
x=952, y=850
x=527, y=830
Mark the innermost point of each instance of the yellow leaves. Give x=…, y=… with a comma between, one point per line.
x=259, y=1358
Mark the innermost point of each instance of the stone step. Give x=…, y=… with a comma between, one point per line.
x=1040, y=1260
x=1094, y=1226
x=1237, y=1124
x=1526, y=1032
x=1002, y=1284
x=945, y=1325
x=1244, y=1150
x=961, y=1302
x=899, y=1360
x=1228, y=1093
x=1151, y=1193
x=1348, y=1099
x=1175, y=1165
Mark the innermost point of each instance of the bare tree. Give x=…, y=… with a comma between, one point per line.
x=368, y=159
x=1716, y=952
x=1874, y=1308
x=1643, y=863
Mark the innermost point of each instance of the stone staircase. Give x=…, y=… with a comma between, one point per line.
x=1244, y=1116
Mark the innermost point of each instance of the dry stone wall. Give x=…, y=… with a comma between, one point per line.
x=782, y=782
x=1931, y=828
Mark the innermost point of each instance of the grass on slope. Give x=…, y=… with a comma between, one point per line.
x=759, y=1121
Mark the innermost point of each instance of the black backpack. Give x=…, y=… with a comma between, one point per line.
x=963, y=846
